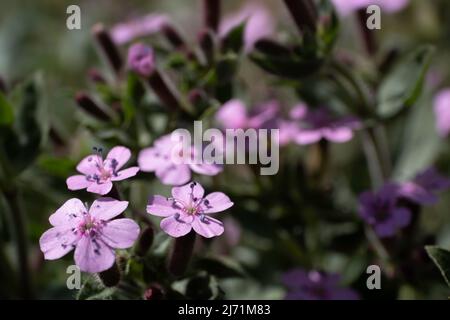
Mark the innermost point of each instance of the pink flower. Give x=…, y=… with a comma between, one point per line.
x=345, y=7
x=91, y=232
x=188, y=209
x=259, y=23
x=98, y=174
x=159, y=159
x=137, y=28
x=141, y=59
x=320, y=124
x=442, y=112
x=233, y=115
x=424, y=187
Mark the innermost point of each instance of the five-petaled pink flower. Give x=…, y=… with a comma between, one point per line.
x=168, y=170
x=188, y=209
x=91, y=232
x=98, y=174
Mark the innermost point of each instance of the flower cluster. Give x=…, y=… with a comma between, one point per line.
x=93, y=232
x=383, y=209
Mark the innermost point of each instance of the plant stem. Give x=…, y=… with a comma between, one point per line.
x=18, y=224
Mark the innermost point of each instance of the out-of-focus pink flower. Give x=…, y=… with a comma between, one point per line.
x=314, y=285
x=159, y=159
x=98, y=174
x=188, y=209
x=379, y=209
x=259, y=23
x=345, y=7
x=424, y=186
x=140, y=27
x=91, y=232
x=442, y=112
x=141, y=59
x=319, y=124
x=234, y=115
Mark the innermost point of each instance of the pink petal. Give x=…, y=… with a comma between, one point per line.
x=338, y=135
x=57, y=242
x=70, y=213
x=206, y=169
x=232, y=115
x=161, y=206
x=150, y=159
x=77, y=182
x=217, y=202
x=120, y=154
x=89, y=165
x=208, y=227
x=125, y=174
x=176, y=226
x=107, y=208
x=308, y=136
x=120, y=233
x=188, y=192
x=93, y=255
x=174, y=174
x=100, y=188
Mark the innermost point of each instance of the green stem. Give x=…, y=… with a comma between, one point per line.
x=18, y=223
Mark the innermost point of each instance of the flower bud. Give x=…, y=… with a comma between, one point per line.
x=304, y=14
x=173, y=37
x=95, y=76
x=110, y=277
x=211, y=11
x=154, y=292
x=141, y=59
x=145, y=241
x=108, y=48
x=181, y=254
x=89, y=106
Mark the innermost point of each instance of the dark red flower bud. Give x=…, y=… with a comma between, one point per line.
x=211, y=11
x=89, y=106
x=304, y=14
x=181, y=254
x=154, y=292
x=95, y=76
x=145, y=241
x=110, y=277
x=107, y=48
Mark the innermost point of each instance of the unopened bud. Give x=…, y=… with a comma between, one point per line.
x=110, y=277
x=206, y=42
x=141, y=59
x=90, y=106
x=181, y=254
x=154, y=292
x=304, y=14
x=145, y=241
x=108, y=48
x=95, y=76
x=211, y=11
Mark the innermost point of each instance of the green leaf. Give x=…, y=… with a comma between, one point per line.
x=285, y=62
x=234, y=39
x=402, y=87
x=6, y=111
x=441, y=258
x=22, y=143
x=134, y=92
